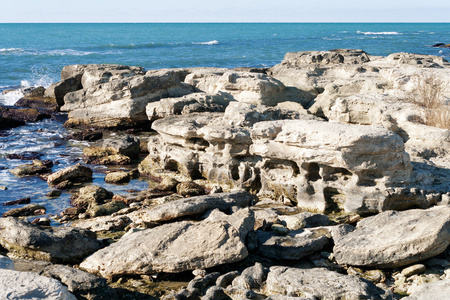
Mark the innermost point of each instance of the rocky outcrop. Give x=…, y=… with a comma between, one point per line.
x=77, y=173
x=58, y=244
x=170, y=248
x=393, y=239
x=120, y=103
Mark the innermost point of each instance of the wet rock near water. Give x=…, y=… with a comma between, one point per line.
x=37, y=167
x=27, y=210
x=77, y=173
x=37, y=99
x=86, y=135
x=56, y=244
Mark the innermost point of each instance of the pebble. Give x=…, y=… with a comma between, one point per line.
x=414, y=269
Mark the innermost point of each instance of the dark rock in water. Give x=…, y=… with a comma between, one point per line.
x=106, y=209
x=53, y=194
x=29, y=210
x=102, y=156
x=41, y=221
x=24, y=156
x=64, y=185
x=23, y=114
x=56, y=244
x=6, y=123
x=35, y=98
x=86, y=135
x=16, y=202
x=441, y=45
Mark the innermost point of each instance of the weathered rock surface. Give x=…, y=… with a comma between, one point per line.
x=90, y=196
x=252, y=277
x=117, y=177
x=37, y=167
x=23, y=114
x=254, y=88
x=121, y=103
x=438, y=290
x=295, y=245
x=320, y=283
x=28, y=285
x=196, y=102
x=104, y=223
x=36, y=99
x=127, y=145
x=27, y=210
x=170, y=248
x=393, y=239
x=192, y=206
x=56, y=244
x=77, y=173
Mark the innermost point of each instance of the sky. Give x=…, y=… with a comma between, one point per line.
x=137, y=11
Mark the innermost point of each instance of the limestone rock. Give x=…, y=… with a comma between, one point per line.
x=320, y=283
x=254, y=88
x=77, y=173
x=252, y=277
x=28, y=285
x=243, y=220
x=90, y=196
x=104, y=223
x=295, y=245
x=36, y=99
x=121, y=103
x=192, y=206
x=195, y=102
x=171, y=248
x=117, y=177
x=127, y=145
x=37, y=167
x=393, y=239
x=438, y=290
x=57, y=244
x=318, y=164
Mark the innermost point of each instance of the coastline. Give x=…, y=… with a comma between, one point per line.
x=283, y=161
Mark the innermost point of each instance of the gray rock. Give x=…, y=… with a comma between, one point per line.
x=28, y=285
x=79, y=282
x=90, y=196
x=104, y=223
x=295, y=245
x=394, y=239
x=216, y=293
x=27, y=210
x=251, y=277
x=171, y=248
x=200, y=285
x=243, y=220
x=320, y=283
x=438, y=290
x=192, y=206
x=56, y=244
x=77, y=173
x=127, y=145
x=226, y=279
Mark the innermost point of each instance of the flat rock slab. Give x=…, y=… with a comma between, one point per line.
x=28, y=285
x=296, y=245
x=57, y=244
x=393, y=239
x=192, y=206
x=170, y=248
x=320, y=283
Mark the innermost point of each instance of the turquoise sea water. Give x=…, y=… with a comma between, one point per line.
x=34, y=54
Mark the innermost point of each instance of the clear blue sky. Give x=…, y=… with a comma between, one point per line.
x=58, y=11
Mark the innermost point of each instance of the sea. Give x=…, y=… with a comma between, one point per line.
x=33, y=55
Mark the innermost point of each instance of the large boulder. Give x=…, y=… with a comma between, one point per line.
x=57, y=244
x=28, y=285
x=438, y=290
x=121, y=103
x=320, y=283
x=321, y=165
x=393, y=239
x=170, y=248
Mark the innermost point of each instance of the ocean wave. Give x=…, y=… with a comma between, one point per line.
x=214, y=42
x=379, y=33
x=10, y=50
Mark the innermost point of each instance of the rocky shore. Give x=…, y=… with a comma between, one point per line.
x=326, y=176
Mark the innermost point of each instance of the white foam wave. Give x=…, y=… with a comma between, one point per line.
x=63, y=52
x=10, y=97
x=10, y=50
x=207, y=43
x=379, y=33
